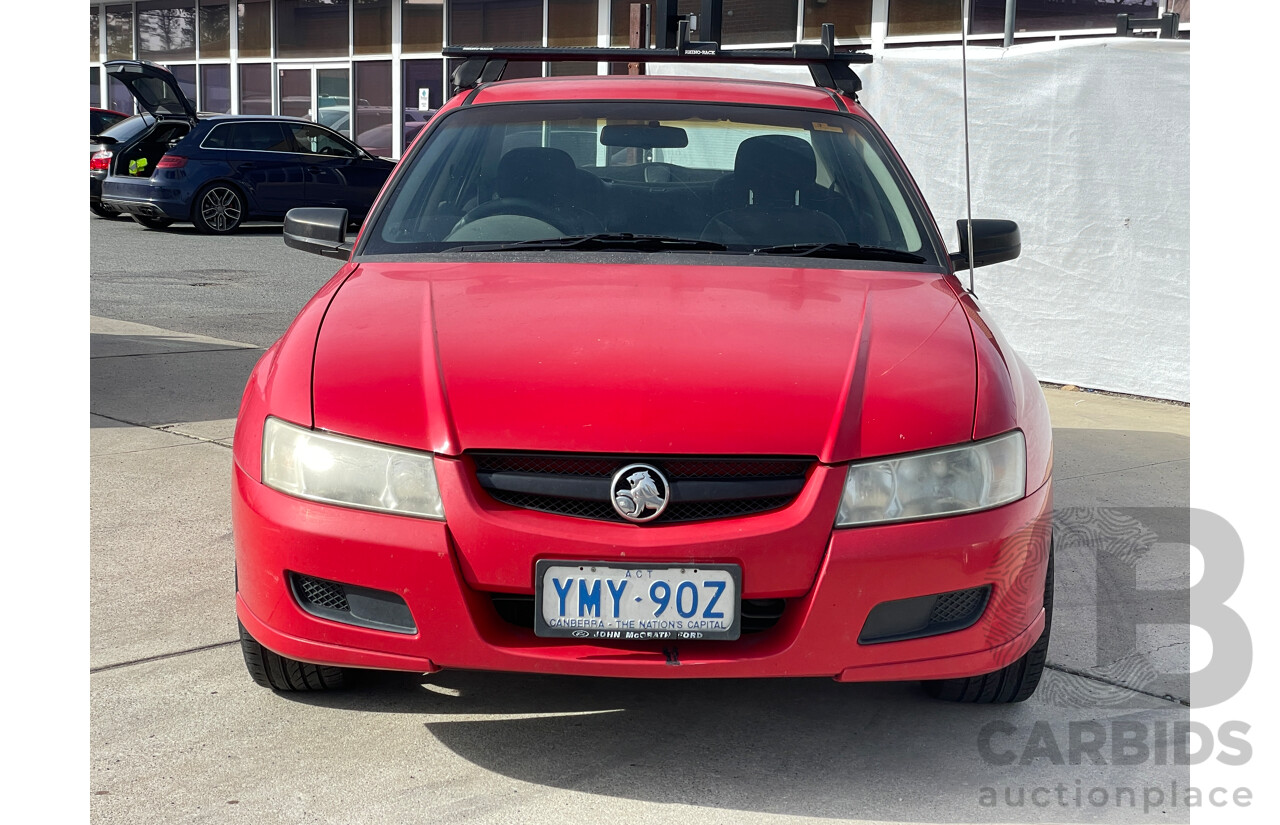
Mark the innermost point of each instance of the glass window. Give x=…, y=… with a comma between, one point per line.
x=95, y=87
x=167, y=30
x=852, y=17
x=372, y=26
x=739, y=176
x=620, y=24
x=215, y=28
x=571, y=23
x=423, y=84
x=219, y=136
x=99, y=120
x=1054, y=15
x=252, y=137
x=129, y=128
x=333, y=99
x=95, y=40
x=118, y=97
x=316, y=141
x=373, y=106
x=119, y=33
x=215, y=88
x=254, y=21
x=295, y=93
x=912, y=17
x=750, y=21
x=312, y=28
x=255, y=88
x=422, y=25
x=186, y=77
x=495, y=23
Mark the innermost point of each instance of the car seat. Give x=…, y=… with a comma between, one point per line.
x=772, y=193
x=543, y=183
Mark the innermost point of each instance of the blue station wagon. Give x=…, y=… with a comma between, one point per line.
x=218, y=171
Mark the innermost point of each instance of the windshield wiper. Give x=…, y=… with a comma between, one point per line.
x=842, y=250
x=602, y=240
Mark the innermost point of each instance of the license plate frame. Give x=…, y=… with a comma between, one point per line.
x=563, y=621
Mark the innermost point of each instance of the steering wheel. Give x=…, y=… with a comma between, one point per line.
x=516, y=206
x=328, y=150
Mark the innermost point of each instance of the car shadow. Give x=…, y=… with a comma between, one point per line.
x=808, y=747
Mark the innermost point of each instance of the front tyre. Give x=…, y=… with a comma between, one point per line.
x=219, y=209
x=271, y=670
x=1014, y=682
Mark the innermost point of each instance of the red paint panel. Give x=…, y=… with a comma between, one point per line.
x=646, y=359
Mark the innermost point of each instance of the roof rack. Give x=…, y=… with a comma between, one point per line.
x=829, y=68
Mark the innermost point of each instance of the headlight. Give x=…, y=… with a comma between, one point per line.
x=937, y=483
x=336, y=470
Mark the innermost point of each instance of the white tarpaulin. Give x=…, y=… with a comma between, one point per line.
x=1086, y=144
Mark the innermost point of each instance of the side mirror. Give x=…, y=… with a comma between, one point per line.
x=993, y=241
x=319, y=230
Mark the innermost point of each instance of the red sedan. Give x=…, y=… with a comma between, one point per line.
x=647, y=377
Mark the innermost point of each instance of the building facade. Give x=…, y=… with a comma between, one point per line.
x=373, y=68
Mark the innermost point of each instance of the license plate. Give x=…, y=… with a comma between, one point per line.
x=637, y=602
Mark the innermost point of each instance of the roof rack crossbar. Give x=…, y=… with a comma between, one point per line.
x=830, y=68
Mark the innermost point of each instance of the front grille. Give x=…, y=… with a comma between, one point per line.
x=702, y=489
x=757, y=614
x=605, y=466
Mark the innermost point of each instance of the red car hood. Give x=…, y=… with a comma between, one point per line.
x=647, y=359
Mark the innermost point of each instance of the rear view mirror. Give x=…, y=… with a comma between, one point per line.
x=319, y=230
x=650, y=136
x=993, y=241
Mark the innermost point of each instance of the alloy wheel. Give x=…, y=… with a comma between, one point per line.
x=221, y=209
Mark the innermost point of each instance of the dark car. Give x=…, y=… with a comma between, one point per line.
x=219, y=171
x=100, y=119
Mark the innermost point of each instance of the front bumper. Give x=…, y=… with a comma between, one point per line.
x=459, y=627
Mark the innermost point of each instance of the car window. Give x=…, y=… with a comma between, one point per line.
x=128, y=128
x=101, y=120
x=316, y=141
x=743, y=177
x=259, y=136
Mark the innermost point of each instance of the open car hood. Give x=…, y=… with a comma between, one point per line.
x=154, y=87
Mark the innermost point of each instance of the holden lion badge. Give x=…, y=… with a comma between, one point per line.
x=640, y=492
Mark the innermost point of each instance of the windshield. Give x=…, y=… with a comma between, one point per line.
x=127, y=128
x=734, y=179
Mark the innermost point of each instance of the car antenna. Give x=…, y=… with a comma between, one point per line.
x=964, y=95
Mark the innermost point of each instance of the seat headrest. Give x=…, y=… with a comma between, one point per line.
x=774, y=167
x=533, y=172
